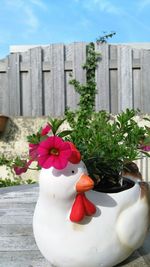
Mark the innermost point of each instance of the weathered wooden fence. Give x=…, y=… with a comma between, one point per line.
x=36, y=82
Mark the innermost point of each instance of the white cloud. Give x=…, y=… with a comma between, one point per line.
x=143, y=3
x=29, y=12
x=105, y=6
x=31, y=19
x=39, y=3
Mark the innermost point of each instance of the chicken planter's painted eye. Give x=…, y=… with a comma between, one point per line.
x=73, y=171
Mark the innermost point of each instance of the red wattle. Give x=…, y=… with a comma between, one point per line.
x=81, y=207
x=89, y=207
x=77, y=212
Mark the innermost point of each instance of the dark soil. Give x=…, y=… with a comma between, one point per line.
x=109, y=188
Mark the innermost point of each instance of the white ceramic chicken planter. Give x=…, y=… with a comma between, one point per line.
x=118, y=227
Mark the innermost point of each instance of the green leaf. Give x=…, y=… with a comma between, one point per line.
x=64, y=133
x=44, y=137
x=56, y=123
x=147, y=141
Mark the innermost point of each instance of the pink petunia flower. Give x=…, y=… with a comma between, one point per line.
x=22, y=169
x=145, y=147
x=75, y=156
x=33, y=154
x=54, y=152
x=46, y=129
x=19, y=170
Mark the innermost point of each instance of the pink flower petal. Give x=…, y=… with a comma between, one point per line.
x=42, y=151
x=46, y=129
x=60, y=163
x=65, y=154
x=33, y=151
x=47, y=156
x=146, y=148
x=49, y=142
x=19, y=170
x=41, y=160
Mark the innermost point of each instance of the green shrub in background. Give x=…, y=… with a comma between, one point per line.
x=107, y=144
x=17, y=181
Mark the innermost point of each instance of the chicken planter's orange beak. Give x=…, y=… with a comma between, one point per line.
x=84, y=184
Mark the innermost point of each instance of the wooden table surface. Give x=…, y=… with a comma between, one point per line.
x=17, y=245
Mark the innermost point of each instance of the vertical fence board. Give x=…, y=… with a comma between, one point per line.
x=47, y=90
x=113, y=52
x=125, y=93
x=14, y=84
x=47, y=97
x=56, y=92
x=145, y=81
x=4, y=108
x=102, y=79
x=71, y=96
x=36, y=86
x=26, y=91
x=137, y=89
x=79, y=58
x=113, y=79
x=78, y=51
x=136, y=73
x=25, y=94
x=113, y=91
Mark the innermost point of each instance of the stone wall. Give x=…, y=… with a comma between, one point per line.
x=13, y=141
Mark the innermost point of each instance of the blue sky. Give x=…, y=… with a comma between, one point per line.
x=53, y=21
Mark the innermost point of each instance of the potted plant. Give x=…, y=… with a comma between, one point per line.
x=74, y=225
x=91, y=192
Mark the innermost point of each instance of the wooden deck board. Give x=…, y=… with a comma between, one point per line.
x=17, y=244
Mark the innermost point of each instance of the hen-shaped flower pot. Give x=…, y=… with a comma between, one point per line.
x=68, y=236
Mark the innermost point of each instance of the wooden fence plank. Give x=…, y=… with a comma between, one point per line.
x=47, y=97
x=125, y=90
x=26, y=93
x=137, y=94
x=54, y=92
x=145, y=81
x=72, y=97
x=4, y=107
x=36, y=86
x=136, y=73
x=57, y=79
x=102, y=79
x=77, y=53
x=113, y=79
x=113, y=91
x=14, y=84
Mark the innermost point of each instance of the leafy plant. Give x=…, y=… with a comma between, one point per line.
x=17, y=181
x=106, y=144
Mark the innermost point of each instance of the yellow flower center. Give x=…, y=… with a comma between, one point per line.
x=54, y=151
